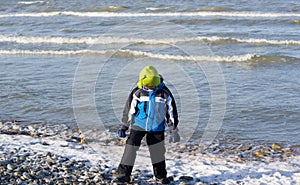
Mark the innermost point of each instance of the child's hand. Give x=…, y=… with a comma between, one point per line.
x=121, y=132
x=174, y=137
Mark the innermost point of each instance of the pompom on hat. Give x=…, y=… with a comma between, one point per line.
x=149, y=77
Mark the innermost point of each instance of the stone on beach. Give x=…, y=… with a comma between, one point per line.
x=276, y=146
x=21, y=164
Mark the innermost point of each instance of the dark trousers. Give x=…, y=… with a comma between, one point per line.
x=156, y=145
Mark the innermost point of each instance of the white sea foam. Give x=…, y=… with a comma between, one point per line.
x=50, y=52
x=31, y=2
x=163, y=14
x=47, y=40
x=132, y=53
x=116, y=40
x=238, y=58
x=275, y=42
x=160, y=8
x=249, y=40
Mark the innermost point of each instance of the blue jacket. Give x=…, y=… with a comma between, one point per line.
x=150, y=111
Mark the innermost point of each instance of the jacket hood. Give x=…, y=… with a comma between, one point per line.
x=149, y=77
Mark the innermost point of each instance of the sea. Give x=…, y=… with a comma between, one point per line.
x=232, y=66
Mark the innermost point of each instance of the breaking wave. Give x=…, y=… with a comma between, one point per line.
x=132, y=53
x=31, y=2
x=160, y=8
x=158, y=14
x=127, y=53
x=114, y=40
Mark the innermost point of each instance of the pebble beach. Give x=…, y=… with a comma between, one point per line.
x=67, y=67
x=55, y=154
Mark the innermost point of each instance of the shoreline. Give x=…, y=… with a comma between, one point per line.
x=56, y=146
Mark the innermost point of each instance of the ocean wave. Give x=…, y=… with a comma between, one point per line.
x=116, y=40
x=133, y=53
x=238, y=58
x=154, y=9
x=164, y=14
x=107, y=9
x=50, y=52
x=215, y=9
x=208, y=9
x=31, y=2
x=251, y=40
x=44, y=40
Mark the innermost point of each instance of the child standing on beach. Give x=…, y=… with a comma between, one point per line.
x=149, y=108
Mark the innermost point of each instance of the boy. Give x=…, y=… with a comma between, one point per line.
x=149, y=108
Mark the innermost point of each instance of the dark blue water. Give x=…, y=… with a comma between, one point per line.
x=235, y=60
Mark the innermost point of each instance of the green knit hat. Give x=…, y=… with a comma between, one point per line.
x=149, y=77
